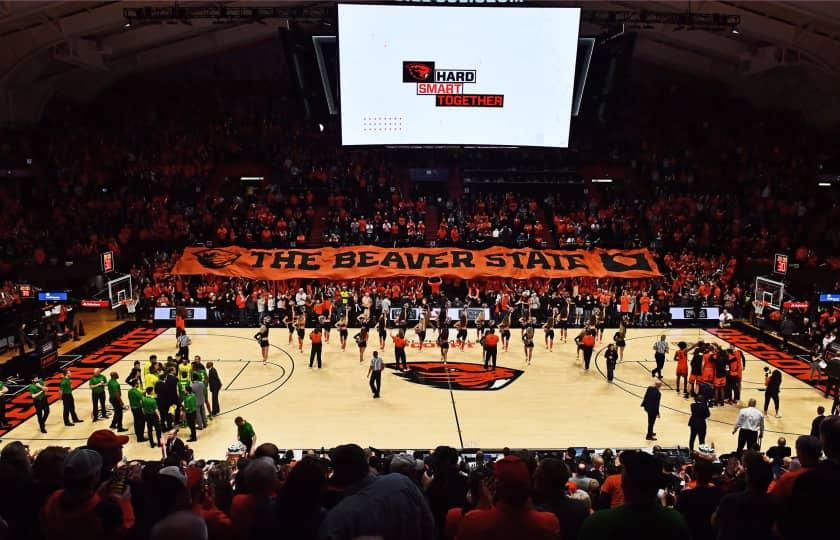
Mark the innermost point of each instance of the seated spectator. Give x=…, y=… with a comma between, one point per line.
x=699, y=503
x=749, y=513
x=511, y=515
x=550, y=481
x=447, y=486
x=808, y=450
x=388, y=506
x=815, y=498
x=641, y=513
x=479, y=497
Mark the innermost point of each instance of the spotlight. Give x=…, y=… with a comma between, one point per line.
x=321, y=128
x=735, y=30
x=127, y=24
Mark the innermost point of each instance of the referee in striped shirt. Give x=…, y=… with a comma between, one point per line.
x=375, y=373
x=660, y=349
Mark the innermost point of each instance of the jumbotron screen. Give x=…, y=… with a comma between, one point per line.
x=414, y=75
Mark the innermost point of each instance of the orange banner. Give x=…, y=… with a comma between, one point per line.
x=376, y=262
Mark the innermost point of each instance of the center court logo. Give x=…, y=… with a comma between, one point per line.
x=447, y=85
x=461, y=375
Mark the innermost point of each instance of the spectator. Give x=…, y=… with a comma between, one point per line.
x=297, y=511
x=808, y=450
x=699, y=503
x=750, y=513
x=550, y=481
x=388, y=506
x=815, y=497
x=479, y=497
x=640, y=481
x=511, y=515
x=446, y=487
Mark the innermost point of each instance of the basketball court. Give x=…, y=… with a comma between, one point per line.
x=551, y=403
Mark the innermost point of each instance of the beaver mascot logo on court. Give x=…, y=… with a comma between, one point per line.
x=461, y=375
x=216, y=258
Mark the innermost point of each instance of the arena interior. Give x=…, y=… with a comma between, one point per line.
x=423, y=269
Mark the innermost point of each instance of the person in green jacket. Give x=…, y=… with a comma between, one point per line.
x=135, y=402
x=97, y=393
x=150, y=413
x=67, y=401
x=245, y=433
x=190, y=408
x=115, y=397
x=38, y=393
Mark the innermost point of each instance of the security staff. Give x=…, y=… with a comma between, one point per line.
x=67, y=401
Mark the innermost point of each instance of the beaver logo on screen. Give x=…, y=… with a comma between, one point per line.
x=461, y=375
x=216, y=258
x=417, y=72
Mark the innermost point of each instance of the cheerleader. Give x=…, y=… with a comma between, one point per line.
x=528, y=339
x=342, y=330
x=619, y=338
x=562, y=319
x=262, y=338
x=328, y=320
x=362, y=336
x=381, y=324
x=443, y=339
x=420, y=329
x=479, y=325
x=600, y=323
x=300, y=327
x=504, y=326
x=461, y=326
x=289, y=321
x=548, y=327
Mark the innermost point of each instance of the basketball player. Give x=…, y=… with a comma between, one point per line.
x=262, y=338
x=600, y=322
x=681, y=357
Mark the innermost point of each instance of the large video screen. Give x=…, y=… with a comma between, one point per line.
x=414, y=75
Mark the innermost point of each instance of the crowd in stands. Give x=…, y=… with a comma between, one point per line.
x=94, y=492
x=481, y=220
x=243, y=301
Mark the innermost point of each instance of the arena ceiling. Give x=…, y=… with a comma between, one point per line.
x=783, y=52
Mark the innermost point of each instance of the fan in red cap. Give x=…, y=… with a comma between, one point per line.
x=109, y=445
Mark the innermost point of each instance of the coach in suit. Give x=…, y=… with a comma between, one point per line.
x=215, y=384
x=650, y=403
